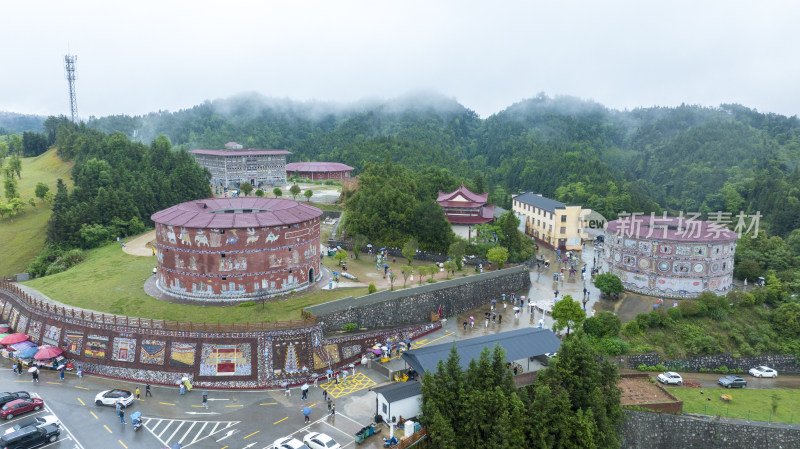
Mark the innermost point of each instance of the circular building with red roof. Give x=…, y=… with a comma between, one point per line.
x=235, y=249
x=673, y=257
x=319, y=171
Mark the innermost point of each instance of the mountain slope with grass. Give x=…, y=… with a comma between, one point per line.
x=23, y=236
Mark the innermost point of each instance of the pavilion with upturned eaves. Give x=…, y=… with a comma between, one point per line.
x=464, y=207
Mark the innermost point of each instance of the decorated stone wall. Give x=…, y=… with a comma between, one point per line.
x=415, y=305
x=256, y=359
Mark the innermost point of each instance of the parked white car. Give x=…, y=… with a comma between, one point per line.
x=316, y=440
x=670, y=377
x=763, y=371
x=288, y=443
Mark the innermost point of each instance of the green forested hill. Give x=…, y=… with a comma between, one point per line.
x=687, y=158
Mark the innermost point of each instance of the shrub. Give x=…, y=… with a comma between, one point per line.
x=642, y=367
x=725, y=325
x=631, y=329
x=661, y=367
x=722, y=370
x=674, y=313
x=372, y=288
x=610, y=346
x=247, y=304
x=672, y=350
x=689, y=308
x=718, y=314
x=652, y=368
x=605, y=324
x=705, y=370
x=430, y=280
x=305, y=314
x=350, y=327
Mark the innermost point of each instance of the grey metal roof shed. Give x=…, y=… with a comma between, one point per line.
x=519, y=344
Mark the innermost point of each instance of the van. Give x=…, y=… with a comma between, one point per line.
x=29, y=437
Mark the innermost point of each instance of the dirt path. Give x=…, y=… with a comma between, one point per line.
x=138, y=246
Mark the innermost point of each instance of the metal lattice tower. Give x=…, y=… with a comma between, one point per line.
x=69, y=66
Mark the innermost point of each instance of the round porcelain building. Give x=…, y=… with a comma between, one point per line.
x=234, y=249
x=670, y=257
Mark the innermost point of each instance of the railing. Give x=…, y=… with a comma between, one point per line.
x=149, y=323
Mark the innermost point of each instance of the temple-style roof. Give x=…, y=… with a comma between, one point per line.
x=248, y=212
x=303, y=167
x=247, y=152
x=465, y=195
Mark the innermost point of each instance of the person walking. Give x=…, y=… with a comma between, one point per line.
x=330, y=404
x=183, y=389
x=304, y=394
x=147, y=391
x=19, y=368
x=14, y=366
x=118, y=406
x=35, y=374
x=307, y=417
x=500, y=319
x=62, y=374
x=333, y=409
x=287, y=392
x=122, y=416
x=138, y=393
x=324, y=395
x=205, y=399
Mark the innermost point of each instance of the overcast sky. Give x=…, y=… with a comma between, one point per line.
x=142, y=56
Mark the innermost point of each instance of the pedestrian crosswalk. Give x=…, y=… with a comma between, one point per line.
x=185, y=432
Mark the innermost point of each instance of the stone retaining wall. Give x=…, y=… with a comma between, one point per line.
x=415, y=305
x=782, y=363
x=643, y=430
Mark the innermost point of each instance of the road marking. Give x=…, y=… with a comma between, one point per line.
x=95, y=416
x=284, y=419
x=82, y=388
x=109, y=430
x=189, y=431
x=55, y=383
x=24, y=381
x=353, y=383
x=82, y=403
x=248, y=436
x=166, y=403
x=269, y=403
x=196, y=405
x=240, y=405
x=63, y=427
x=123, y=444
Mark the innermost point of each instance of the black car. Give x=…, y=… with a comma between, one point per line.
x=7, y=397
x=29, y=437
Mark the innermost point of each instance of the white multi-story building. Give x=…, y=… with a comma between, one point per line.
x=235, y=165
x=551, y=222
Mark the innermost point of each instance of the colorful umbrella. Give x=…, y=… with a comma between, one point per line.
x=304, y=387
x=22, y=345
x=33, y=369
x=307, y=411
x=28, y=353
x=13, y=338
x=376, y=351
x=3, y=329
x=47, y=352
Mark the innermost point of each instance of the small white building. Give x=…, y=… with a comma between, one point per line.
x=398, y=399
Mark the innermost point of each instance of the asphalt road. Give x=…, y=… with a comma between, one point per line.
x=233, y=420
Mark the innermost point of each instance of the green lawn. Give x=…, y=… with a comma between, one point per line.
x=751, y=404
x=111, y=281
x=22, y=237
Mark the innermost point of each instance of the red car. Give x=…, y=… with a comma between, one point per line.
x=20, y=406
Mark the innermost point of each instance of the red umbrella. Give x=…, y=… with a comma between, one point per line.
x=13, y=338
x=3, y=329
x=47, y=352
